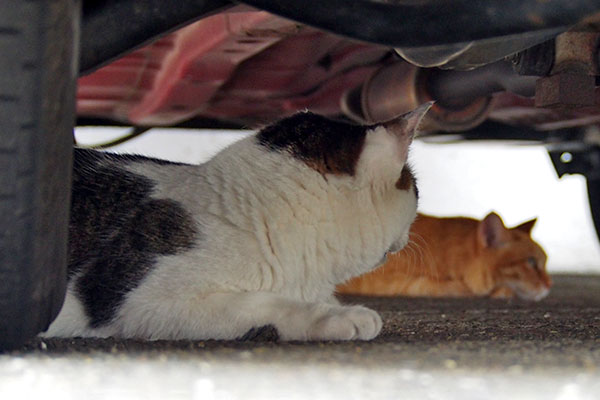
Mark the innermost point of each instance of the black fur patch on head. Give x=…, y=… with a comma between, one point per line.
x=329, y=147
x=116, y=231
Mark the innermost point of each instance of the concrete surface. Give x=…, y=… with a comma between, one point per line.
x=429, y=349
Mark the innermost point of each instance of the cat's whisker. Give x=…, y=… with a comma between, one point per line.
x=420, y=248
x=426, y=255
x=415, y=254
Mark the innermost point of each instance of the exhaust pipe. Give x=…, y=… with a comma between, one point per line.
x=463, y=98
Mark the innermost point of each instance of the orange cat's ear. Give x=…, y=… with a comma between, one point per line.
x=526, y=226
x=491, y=231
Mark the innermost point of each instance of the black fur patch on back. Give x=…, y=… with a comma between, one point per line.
x=117, y=230
x=329, y=147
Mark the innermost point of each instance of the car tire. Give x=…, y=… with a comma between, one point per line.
x=38, y=71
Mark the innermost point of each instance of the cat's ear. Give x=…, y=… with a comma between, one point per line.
x=491, y=231
x=526, y=226
x=406, y=125
x=386, y=145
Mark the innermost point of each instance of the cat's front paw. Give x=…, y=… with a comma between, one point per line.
x=346, y=323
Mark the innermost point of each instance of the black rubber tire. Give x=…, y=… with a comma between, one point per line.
x=38, y=70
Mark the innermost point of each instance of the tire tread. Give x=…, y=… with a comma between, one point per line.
x=37, y=87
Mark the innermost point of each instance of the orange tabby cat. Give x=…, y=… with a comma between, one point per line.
x=451, y=257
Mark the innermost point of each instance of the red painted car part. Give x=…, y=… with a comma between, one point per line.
x=240, y=66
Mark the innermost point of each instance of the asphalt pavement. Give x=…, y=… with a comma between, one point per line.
x=428, y=349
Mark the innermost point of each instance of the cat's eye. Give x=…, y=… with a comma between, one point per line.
x=532, y=263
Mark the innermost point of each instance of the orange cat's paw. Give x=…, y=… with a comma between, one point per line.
x=502, y=293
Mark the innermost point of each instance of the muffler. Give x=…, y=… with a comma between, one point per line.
x=463, y=98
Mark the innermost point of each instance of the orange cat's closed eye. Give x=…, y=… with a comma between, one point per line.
x=451, y=257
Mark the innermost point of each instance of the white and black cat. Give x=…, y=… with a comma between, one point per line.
x=258, y=236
